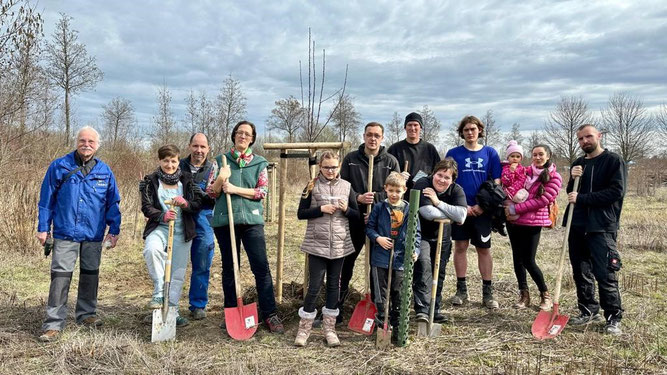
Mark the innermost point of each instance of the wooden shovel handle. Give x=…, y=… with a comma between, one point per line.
x=561, y=261
x=232, y=237
x=367, y=256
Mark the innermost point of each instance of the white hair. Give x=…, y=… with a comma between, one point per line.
x=90, y=129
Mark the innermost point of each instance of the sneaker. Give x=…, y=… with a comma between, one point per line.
x=274, y=324
x=181, y=321
x=422, y=317
x=92, y=321
x=198, y=314
x=49, y=335
x=586, y=319
x=613, y=327
x=155, y=303
x=440, y=318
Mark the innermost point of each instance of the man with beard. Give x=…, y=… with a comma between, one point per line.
x=595, y=222
x=79, y=199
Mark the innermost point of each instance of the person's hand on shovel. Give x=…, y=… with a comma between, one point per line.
x=223, y=175
x=169, y=216
x=180, y=202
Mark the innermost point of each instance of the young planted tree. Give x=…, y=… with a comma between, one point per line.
x=431, y=132
x=69, y=66
x=117, y=118
x=229, y=109
x=562, y=124
x=286, y=116
x=628, y=126
x=394, y=130
x=345, y=118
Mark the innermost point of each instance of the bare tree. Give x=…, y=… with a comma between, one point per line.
x=628, y=125
x=312, y=127
x=534, y=139
x=286, y=116
x=165, y=125
x=118, y=118
x=345, y=118
x=394, y=130
x=230, y=108
x=492, y=134
x=561, y=126
x=191, y=120
x=661, y=120
x=453, y=137
x=69, y=65
x=431, y=132
x=20, y=24
x=514, y=134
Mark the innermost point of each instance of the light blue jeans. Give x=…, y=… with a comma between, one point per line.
x=155, y=254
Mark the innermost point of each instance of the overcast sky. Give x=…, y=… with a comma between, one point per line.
x=516, y=58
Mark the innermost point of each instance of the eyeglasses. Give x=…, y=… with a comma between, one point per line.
x=329, y=169
x=247, y=135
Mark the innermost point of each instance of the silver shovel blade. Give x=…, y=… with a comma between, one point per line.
x=164, y=330
x=435, y=330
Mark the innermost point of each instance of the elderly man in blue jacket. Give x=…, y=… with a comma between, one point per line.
x=79, y=199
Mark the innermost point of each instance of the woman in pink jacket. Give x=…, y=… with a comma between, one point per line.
x=542, y=184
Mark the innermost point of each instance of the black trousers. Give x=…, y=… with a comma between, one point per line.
x=524, y=240
x=590, y=256
x=380, y=277
x=317, y=268
x=358, y=234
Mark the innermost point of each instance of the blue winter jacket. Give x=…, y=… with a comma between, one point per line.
x=379, y=224
x=82, y=207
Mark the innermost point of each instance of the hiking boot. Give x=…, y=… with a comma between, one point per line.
x=198, y=314
x=487, y=297
x=181, y=321
x=329, y=326
x=461, y=295
x=440, y=318
x=524, y=299
x=92, y=321
x=613, y=327
x=155, y=303
x=305, y=327
x=583, y=319
x=274, y=324
x=422, y=317
x=545, y=301
x=49, y=335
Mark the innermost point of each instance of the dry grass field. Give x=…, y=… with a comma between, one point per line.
x=478, y=341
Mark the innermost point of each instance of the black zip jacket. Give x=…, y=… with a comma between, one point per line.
x=151, y=208
x=602, y=187
x=200, y=178
x=355, y=170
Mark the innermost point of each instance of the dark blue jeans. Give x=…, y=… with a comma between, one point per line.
x=201, y=253
x=254, y=244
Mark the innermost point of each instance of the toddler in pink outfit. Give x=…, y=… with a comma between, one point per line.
x=513, y=176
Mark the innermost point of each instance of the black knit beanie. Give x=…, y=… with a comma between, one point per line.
x=414, y=116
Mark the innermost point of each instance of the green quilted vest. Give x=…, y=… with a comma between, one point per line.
x=246, y=211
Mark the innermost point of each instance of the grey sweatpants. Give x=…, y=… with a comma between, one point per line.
x=63, y=261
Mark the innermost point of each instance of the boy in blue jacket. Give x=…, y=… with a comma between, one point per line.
x=387, y=227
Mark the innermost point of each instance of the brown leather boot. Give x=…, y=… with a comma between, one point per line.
x=545, y=301
x=305, y=326
x=524, y=300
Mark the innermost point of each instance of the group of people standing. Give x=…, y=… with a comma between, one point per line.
x=79, y=200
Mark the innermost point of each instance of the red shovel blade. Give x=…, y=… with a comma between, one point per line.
x=549, y=324
x=241, y=321
x=363, y=317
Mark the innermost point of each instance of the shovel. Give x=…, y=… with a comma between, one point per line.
x=548, y=324
x=240, y=321
x=363, y=317
x=164, y=319
x=433, y=329
x=383, y=339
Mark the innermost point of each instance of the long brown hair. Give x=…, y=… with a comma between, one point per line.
x=544, y=176
x=327, y=154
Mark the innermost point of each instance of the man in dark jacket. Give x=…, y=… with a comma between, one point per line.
x=79, y=199
x=203, y=245
x=595, y=223
x=354, y=169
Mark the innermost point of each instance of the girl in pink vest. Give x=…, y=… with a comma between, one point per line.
x=542, y=184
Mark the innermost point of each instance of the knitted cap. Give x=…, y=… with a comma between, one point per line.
x=512, y=147
x=414, y=116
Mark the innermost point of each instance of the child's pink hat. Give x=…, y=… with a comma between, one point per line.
x=512, y=147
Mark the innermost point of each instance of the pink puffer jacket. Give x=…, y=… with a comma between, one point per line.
x=534, y=211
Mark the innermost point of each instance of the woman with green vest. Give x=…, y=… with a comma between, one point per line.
x=245, y=179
